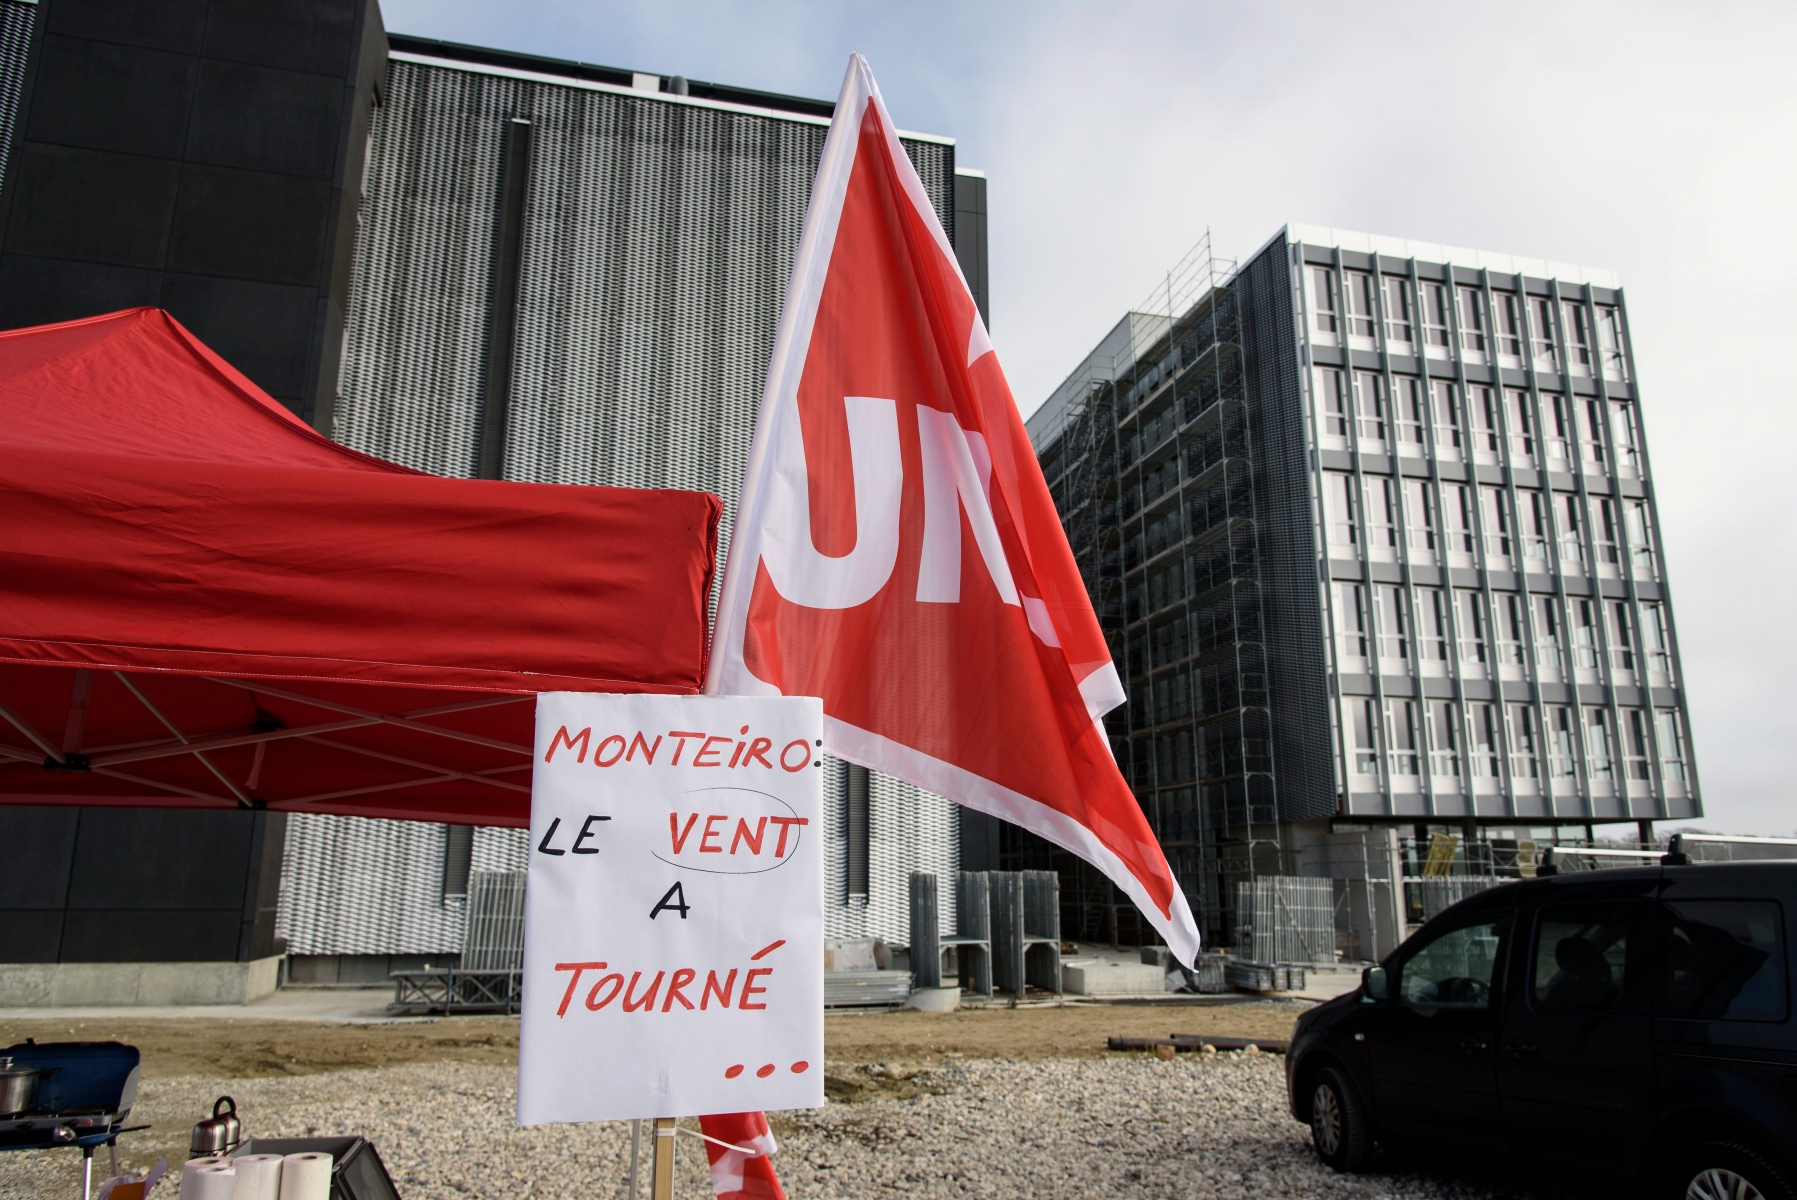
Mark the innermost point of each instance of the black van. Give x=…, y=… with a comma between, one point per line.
x=1635, y=1020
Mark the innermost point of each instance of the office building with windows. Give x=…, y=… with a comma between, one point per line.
x=1371, y=524
x=465, y=260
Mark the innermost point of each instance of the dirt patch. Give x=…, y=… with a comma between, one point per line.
x=240, y=1049
x=237, y=1049
x=1070, y=1031
x=846, y=1084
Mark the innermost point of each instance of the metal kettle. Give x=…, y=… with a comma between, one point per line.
x=219, y=1132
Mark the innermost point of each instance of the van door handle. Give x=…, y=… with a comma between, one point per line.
x=1521, y=1049
x=1475, y=1045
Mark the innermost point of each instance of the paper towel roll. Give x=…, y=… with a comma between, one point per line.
x=306, y=1177
x=208, y=1179
x=258, y=1177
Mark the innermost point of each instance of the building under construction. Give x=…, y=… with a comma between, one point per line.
x=1370, y=526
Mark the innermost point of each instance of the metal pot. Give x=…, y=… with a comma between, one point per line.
x=217, y=1133
x=18, y=1087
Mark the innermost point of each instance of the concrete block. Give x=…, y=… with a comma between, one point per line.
x=1095, y=977
x=26, y=985
x=127, y=985
x=935, y=1000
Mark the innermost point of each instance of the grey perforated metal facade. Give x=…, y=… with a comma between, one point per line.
x=655, y=240
x=1445, y=522
x=16, y=19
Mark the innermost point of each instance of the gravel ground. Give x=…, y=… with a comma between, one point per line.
x=1124, y=1125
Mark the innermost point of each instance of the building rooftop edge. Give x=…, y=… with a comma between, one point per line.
x=1044, y=420
x=594, y=77
x=1438, y=252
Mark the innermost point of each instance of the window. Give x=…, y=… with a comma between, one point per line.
x=1444, y=403
x=1400, y=727
x=1609, y=340
x=1672, y=746
x=1523, y=742
x=1600, y=743
x=1332, y=402
x=1369, y=406
x=1561, y=752
x=1350, y=608
x=1419, y=512
x=1559, y=432
x=1457, y=517
x=1496, y=509
x=1482, y=418
x=1482, y=740
x=1381, y=511
x=1578, y=336
x=1394, y=627
x=1469, y=612
x=1635, y=742
x=1547, y=633
x=1581, y=958
x=1409, y=410
x=1434, y=302
x=1623, y=438
x=1656, y=639
x=1640, y=535
x=1512, y=627
x=1452, y=969
x=1541, y=333
x=1322, y=299
x=1365, y=724
x=1400, y=315
x=1472, y=319
x=1522, y=427
x=1360, y=303
x=1622, y=635
x=1536, y=526
x=1431, y=625
x=1572, y=544
x=1725, y=961
x=1444, y=739
x=1338, y=499
x=1584, y=634
x=1593, y=433
x=1605, y=528
x=1508, y=313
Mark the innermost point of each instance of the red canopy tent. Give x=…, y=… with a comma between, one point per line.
x=205, y=603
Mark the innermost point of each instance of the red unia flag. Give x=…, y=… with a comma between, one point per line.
x=896, y=550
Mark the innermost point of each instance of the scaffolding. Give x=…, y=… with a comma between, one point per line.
x=1149, y=453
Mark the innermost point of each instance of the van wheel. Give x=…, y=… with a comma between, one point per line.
x=1725, y=1171
x=1338, y=1123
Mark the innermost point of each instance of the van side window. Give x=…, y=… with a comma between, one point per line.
x=1725, y=961
x=1453, y=968
x=1580, y=958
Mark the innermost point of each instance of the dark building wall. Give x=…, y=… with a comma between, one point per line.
x=969, y=235
x=1297, y=672
x=138, y=884
x=202, y=156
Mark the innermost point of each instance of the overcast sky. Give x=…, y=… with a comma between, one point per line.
x=1659, y=141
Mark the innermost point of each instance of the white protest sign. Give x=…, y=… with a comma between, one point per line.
x=673, y=919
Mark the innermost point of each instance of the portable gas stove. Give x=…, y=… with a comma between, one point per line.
x=83, y=1100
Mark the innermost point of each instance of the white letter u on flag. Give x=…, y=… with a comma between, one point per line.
x=799, y=572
